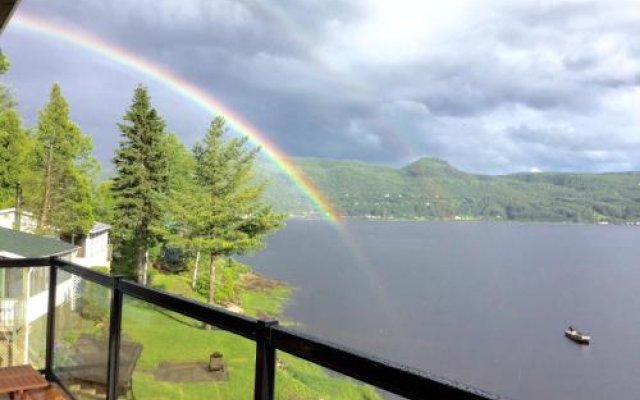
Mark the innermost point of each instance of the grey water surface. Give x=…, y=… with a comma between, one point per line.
x=481, y=303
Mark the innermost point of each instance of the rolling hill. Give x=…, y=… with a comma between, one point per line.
x=432, y=189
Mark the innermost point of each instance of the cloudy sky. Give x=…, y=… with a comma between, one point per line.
x=491, y=86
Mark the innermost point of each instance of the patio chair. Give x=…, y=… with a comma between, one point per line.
x=91, y=355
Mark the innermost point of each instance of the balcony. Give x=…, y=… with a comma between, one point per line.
x=103, y=337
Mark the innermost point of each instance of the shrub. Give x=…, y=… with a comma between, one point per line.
x=94, y=300
x=227, y=281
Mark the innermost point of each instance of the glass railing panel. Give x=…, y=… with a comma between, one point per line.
x=24, y=297
x=82, y=335
x=300, y=379
x=165, y=355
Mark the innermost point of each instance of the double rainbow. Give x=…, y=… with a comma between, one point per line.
x=190, y=91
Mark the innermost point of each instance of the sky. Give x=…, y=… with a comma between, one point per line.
x=492, y=86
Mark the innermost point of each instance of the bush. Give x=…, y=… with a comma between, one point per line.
x=172, y=259
x=94, y=300
x=227, y=280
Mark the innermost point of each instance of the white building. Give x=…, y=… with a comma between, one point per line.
x=8, y=218
x=93, y=249
x=24, y=294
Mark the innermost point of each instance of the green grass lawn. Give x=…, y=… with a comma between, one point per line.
x=270, y=301
x=170, y=337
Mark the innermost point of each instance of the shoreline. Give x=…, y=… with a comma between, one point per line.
x=479, y=220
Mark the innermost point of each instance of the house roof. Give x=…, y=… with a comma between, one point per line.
x=99, y=227
x=28, y=245
x=12, y=210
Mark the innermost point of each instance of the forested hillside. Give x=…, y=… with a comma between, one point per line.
x=432, y=189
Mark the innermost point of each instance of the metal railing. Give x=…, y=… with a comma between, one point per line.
x=267, y=335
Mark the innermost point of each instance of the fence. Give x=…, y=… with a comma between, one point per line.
x=267, y=335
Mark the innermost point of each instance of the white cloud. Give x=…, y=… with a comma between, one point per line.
x=490, y=85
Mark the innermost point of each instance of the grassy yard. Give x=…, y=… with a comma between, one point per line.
x=170, y=337
x=265, y=298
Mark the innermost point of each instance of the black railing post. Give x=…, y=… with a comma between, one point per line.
x=265, y=361
x=51, y=317
x=115, y=325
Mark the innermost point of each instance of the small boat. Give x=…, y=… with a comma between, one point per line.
x=577, y=336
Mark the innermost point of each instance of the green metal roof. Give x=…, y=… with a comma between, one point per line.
x=28, y=245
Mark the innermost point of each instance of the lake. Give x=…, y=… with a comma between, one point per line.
x=481, y=303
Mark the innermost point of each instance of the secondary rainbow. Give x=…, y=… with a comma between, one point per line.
x=187, y=89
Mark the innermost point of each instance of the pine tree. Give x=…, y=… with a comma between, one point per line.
x=14, y=147
x=7, y=99
x=140, y=183
x=59, y=185
x=176, y=227
x=14, y=143
x=228, y=216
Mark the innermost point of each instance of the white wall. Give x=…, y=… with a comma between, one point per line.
x=36, y=306
x=96, y=250
x=27, y=222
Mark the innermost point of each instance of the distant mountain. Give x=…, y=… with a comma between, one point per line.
x=433, y=189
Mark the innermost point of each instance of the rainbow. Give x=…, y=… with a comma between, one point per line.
x=170, y=79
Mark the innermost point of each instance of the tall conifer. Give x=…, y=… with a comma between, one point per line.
x=140, y=183
x=14, y=143
x=228, y=217
x=59, y=185
x=14, y=146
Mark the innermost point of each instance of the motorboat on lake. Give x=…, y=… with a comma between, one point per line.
x=577, y=336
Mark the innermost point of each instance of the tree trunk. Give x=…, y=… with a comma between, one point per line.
x=212, y=283
x=212, y=278
x=145, y=272
x=140, y=263
x=194, y=280
x=46, y=199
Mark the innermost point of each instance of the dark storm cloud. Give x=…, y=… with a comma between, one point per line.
x=493, y=86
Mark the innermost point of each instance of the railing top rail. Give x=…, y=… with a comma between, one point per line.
x=85, y=273
x=25, y=262
x=238, y=324
x=396, y=378
x=384, y=374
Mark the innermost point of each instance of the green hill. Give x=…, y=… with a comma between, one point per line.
x=433, y=189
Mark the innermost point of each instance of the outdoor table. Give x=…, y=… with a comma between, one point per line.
x=20, y=378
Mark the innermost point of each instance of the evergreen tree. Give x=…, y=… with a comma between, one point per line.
x=104, y=202
x=14, y=143
x=14, y=147
x=7, y=99
x=59, y=185
x=140, y=183
x=183, y=190
x=227, y=215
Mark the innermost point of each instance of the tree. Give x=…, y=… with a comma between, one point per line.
x=14, y=147
x=177, y=224
x=140, y=183
x=7, y=99
x=4, y=63
x=104, y=201
x=14, y=143
x=62, y=167
x=227, y=215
